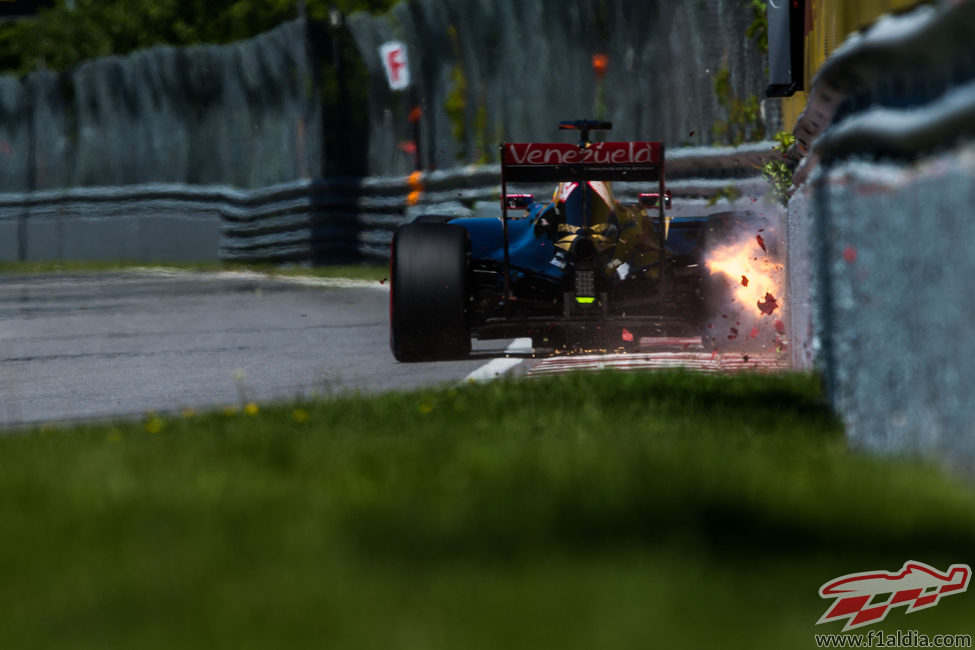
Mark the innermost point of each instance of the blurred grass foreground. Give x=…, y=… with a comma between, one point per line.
x=607, y=510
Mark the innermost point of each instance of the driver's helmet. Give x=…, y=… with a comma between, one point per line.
x=573, y=200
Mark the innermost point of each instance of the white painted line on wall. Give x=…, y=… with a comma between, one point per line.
x=497, y=367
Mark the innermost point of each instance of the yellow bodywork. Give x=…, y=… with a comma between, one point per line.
x=633, y=234
x=831, y=21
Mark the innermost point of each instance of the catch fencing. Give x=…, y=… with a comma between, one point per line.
x=493, y=70
x=247, y=115
x=291, y=147
x=307, y=100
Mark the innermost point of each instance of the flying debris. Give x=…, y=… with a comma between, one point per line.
x=768, y=305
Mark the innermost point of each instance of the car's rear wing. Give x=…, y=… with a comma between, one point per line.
x=557, y=162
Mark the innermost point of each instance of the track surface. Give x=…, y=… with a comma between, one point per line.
x=122, y=344
x=94, y=346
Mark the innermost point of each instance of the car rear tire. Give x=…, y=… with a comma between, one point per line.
x=429, y=292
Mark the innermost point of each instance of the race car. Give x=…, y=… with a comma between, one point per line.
x=581, y=270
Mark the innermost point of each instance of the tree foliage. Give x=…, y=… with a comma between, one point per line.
x=758, y=30
x=71, y=32
x=779, y=172
x=743, y=116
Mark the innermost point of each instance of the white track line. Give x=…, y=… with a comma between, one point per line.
x=700, y=361
x=303, y=280
x=497, y=367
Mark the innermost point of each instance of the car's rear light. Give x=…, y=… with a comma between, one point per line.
x=585, y=282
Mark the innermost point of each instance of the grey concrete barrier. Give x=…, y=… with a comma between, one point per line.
x=893, y=312
x=880, y=231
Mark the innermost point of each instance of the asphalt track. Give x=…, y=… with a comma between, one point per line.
x=106, y=345
x=122, y=344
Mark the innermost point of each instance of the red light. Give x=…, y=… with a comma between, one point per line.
x=600, y=63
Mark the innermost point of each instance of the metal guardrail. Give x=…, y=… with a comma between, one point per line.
x=892, y=134
x=319, y=221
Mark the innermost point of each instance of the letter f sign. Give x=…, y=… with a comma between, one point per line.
x=393, y=55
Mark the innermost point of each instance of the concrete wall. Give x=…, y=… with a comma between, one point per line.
x=881, y=235
x=892, y=305
x=801, y=279
x=901, y=265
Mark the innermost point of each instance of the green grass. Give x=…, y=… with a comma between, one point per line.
x=586, y=511
x=370, y=271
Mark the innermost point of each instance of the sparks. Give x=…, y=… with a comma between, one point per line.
x=760, y=277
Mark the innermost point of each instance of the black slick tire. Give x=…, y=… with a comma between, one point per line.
x=429, y=292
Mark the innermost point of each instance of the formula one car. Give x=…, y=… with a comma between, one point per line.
x=581, y=270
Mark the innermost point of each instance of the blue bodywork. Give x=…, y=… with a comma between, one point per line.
x=533, y=252
x=528, y=251
x=582, y=260
x=578, y=269
x=543, y=269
